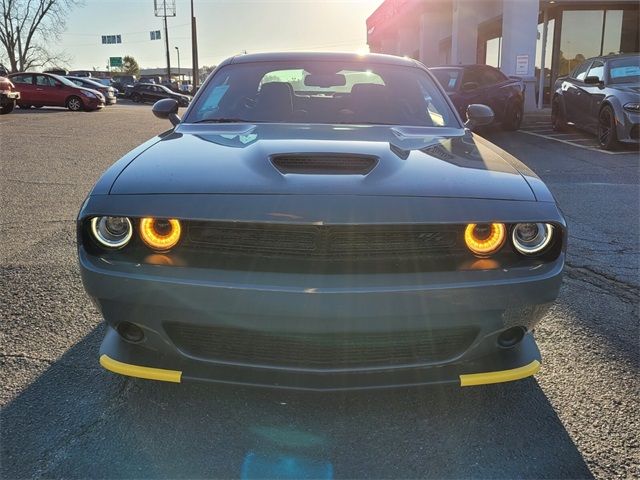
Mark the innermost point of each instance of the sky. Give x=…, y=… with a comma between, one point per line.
x=225, y=28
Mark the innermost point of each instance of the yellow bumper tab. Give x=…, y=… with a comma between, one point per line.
x=471, y=379
x=139, y=371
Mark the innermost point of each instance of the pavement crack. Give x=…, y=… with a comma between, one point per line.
x=625, y=291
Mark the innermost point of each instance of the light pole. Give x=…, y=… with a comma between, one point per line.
x=194, y=50
x=179, y=73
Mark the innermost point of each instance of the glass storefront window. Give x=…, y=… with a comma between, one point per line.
x=612, y=32
x=492, y=52
x=580, y=39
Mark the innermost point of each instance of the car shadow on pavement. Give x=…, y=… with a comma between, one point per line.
x=77, y=420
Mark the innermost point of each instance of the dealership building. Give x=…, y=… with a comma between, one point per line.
x=521, y=37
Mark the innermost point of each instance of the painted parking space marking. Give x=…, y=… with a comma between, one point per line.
x=592, y=144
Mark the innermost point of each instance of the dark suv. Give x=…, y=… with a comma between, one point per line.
x=149, y=92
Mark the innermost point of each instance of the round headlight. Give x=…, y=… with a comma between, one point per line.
x=111, y=232
x=484, y=238
x=531, y=238
x=160, y=234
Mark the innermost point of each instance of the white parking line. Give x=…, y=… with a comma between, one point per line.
x=594, y=147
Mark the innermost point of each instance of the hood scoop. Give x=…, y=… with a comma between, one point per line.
x=324, y=164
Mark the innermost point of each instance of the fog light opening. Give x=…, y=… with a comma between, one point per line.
x=130, y=332
x=511, y=337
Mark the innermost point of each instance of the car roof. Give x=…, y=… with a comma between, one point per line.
x=466, y=65
x=322, y=57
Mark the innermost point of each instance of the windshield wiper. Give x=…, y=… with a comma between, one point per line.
x=225, y=120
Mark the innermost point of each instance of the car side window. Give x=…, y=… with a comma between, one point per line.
x=22, y=79
x=44, y=81
x=581, y=72
x=597, y=70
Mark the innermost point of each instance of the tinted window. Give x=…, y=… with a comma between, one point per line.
x=449, y=78
x=323, y=92
x=581, y=72
x=491, y=76
x=22, y=79
x=597, y=70
x=473, y=75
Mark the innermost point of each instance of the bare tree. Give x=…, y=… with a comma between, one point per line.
x=27, y=27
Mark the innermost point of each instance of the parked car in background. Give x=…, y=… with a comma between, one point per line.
x=157, y=79
x=43, y=89
x=57, y=71
x=80, y=73
x=601, y=96
x=148, y=92
x=186, y=86
x=9, y=96
x=121, y=81
x=108, y=92
x=469, y=84
x=3, y=71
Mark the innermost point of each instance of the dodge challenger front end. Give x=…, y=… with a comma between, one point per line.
x=321, y=222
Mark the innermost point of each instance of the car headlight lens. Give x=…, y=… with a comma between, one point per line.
x=111, y=232
x=531, y=238
x=486, y=238
x=632, y=107
x=160, y=234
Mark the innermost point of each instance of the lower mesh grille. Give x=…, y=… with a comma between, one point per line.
x=335, y=350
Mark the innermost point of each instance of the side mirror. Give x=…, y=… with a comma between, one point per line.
x=469, y=86
x=478, y=115
x=592, y=80
x=167, y=108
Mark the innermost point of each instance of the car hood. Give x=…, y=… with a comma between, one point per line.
x=633, y=89
x=239, y=159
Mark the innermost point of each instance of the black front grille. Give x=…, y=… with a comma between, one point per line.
x=319, y=241
x=325, y=164
x=335, y=350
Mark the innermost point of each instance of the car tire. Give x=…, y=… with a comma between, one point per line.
x=513, y=116
x=7, y=108
x=74, y=104
x=135, y=97
x=607, y=134
x=558, y=119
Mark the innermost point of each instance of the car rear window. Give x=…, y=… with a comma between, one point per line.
x=449, y=78
x=323, y=92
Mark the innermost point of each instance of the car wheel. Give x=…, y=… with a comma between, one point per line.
x=607, y=134
x=513, y=116
x=7, y=108
x=136, y=97
x=74, y=104
x=558, y=120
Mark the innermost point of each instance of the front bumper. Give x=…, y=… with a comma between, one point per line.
x=152, y=296
x=629, y=128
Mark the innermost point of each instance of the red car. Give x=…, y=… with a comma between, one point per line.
x=45, y=89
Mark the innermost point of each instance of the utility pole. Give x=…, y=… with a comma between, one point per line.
x=166, y=8
x=194, y=50
x=179, y=73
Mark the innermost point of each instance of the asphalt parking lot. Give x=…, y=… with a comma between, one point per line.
x=63, y=416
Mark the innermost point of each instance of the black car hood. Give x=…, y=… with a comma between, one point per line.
x=238, y=159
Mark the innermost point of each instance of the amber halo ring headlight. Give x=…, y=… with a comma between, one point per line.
x=111, y=232
x=531, y=238
x=485, y=238
x=160, y=234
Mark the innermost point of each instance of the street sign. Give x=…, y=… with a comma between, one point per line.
x=115, y=62
x=164, y=8
x=110, y=39
x=155, y=35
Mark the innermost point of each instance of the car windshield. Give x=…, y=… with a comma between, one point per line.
x=323, y=92
x=625, y=70
x=449, y=78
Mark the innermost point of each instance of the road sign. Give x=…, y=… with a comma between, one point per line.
x=155, y=35
x=110, y=39
x=115, y=61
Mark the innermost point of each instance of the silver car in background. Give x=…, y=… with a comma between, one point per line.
x=602, y=96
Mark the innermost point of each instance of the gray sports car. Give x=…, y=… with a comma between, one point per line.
x=322, y=222
x=602, y=96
